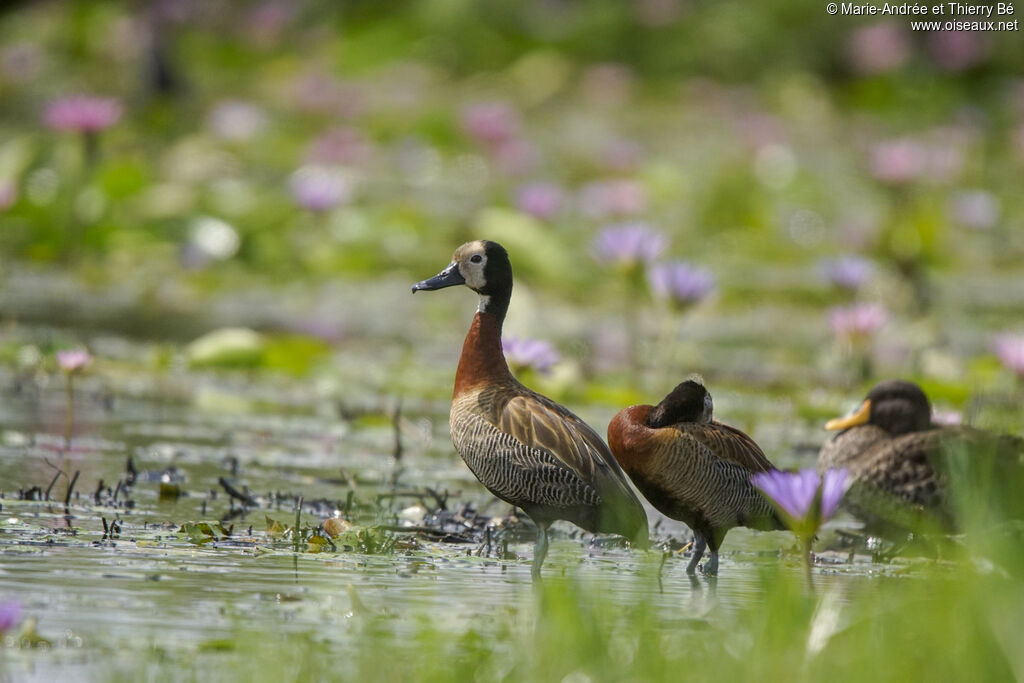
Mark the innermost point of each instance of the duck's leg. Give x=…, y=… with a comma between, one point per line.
x=710, y=567
x=699, y=545
x=540, y=550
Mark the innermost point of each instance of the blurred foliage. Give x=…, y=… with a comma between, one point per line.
x=936, y=626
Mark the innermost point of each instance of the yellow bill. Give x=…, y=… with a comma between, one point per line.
x=857, y=417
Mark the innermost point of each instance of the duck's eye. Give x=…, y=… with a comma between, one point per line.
x=476, y=258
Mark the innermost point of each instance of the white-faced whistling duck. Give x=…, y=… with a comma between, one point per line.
x=525, y=448
x=900, y=463
x=693, y=468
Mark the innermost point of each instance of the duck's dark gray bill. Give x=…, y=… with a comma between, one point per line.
x=449, y=277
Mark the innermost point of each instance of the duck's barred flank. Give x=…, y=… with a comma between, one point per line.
x=692, y=482
x=523, y=476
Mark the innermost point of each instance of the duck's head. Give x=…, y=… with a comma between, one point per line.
x=688, y=402
x=483, y=266
x=896, y=406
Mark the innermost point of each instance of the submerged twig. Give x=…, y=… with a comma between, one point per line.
x=129, y=467
x=396, y=421
x=236, y=494
x=71, y=487
x=52, y=482
x=441, y=499
x=298, y=521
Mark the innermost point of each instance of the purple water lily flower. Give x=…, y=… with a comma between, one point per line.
x=83, y=113
x=804, y=501
x=540, y=200
x=792, y=491
x=795, y=492
x=319, y=188
x=681, y=282
x=833, y=487
x=10, y=614
x=1010, y=350
x=629, y=244
x=848, y=272
x=73, y=360
x=535, y=354
x=857, y=322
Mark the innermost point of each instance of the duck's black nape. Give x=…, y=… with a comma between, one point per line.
x=685, y=403
x=497, y=289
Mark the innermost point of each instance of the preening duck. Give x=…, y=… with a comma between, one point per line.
x=899, y=461
x=693, y=468
x=525, y=448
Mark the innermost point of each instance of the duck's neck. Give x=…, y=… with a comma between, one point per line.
x=629, y=436
x=482, y=360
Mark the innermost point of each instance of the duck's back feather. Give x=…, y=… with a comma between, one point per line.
x=728, y=444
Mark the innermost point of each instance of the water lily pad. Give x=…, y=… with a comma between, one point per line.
x=228, y=347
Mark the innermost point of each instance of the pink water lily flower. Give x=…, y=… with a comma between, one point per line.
x=83, y=113
x=1010, y=350
x=73, y=360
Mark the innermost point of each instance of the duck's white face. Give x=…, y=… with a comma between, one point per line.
x=471, y=259
x=709, y=408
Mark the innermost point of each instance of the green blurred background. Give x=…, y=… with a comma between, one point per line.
x=292, y=166
x=232, y=232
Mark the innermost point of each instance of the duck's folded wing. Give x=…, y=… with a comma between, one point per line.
x=543, y=425
x=729, y=444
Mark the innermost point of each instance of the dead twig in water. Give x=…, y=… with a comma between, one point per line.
x=53, y=481
x=236, y=494
x=129, y=467
x=298, y=520
x=67, y=497
x=440, y=498
x=396, y=422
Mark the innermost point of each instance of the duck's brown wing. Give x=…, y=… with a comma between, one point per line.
x=538, y=422
x=545, y=427
x=919, y=466
x=905, y=467
x=728, y=444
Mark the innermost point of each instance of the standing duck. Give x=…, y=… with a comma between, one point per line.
x=898, y=459
x=693, y=468
x=525, y=448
